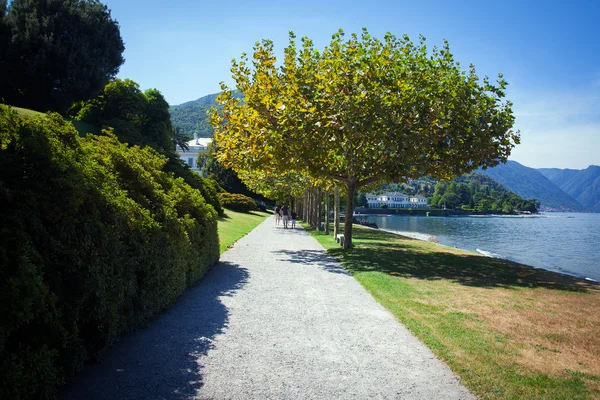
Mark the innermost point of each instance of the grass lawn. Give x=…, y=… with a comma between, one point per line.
x=509, y=331
x=234, y=225
x=82, y=127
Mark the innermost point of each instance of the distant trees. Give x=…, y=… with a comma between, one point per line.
x=479, y=193
x=56, y=52
x=180, y=139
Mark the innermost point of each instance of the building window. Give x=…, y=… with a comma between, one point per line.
x=191, y=162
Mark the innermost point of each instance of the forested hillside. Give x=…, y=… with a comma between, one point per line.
x=191, y=116
x=530, y=183
x=469, y=192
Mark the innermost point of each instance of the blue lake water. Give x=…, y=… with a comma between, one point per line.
x=568, y=243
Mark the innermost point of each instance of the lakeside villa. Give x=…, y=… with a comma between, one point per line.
x=396, y=200
x=195, y=147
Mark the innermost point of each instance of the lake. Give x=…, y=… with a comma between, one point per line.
x=568, y=243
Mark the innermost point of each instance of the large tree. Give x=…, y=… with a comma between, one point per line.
x=138, y=118
x=362, y=111
x=56, y=52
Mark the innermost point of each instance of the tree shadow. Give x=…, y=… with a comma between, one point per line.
x=381, y=251
x=312, y=258
x=163, y=361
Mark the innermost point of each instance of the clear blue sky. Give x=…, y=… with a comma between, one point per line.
x=549, y=51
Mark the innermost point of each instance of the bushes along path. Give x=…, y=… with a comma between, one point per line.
x=277, y=318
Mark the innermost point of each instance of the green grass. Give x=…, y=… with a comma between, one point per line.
x=25, y=112
x=509, y=331
x=234, y=225
x=82, y=127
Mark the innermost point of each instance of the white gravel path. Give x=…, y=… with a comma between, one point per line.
x=275, y=319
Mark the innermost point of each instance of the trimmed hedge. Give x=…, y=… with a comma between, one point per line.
x=94, y=240
x=209, y=188
x=237, y=202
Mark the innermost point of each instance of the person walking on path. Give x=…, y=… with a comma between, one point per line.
x=285, y=215
x=294, y=217
x=277, y=214
x=276, y=318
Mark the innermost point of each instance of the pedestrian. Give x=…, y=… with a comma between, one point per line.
x=285, y=215
x=294, y=217
x=277, y=214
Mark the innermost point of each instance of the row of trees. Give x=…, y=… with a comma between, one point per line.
x=359, y=112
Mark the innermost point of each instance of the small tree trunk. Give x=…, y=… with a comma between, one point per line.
x=350, y=191
x=319, y=207
x=307, y=207
x=327, y=212
x=336, y=211
x=315, y=208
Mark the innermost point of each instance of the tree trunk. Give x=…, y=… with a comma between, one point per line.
x=336, y=211
x=350, y=191
x=315, y=208
x=319, y=207
x=327, y=212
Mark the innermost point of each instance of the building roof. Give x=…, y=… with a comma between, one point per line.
x=197, y=144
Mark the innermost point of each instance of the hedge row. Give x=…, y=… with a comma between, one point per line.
x=237, y=202
x=94, y=240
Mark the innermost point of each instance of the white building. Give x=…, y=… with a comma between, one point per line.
x=396, y=200
x=195, y=147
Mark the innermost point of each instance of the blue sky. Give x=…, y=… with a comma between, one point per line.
x=548, y=51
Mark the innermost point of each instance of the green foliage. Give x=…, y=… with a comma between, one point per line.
x=480, y=193
x=227, y=178
x=238, y=202
x=94, y=240
x=138, y=118
x=209, y=188
x=192, y=117
x=56, y=52
x=361, y=111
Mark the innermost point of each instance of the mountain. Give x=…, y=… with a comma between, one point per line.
x=558, y=176
x=532, y=184
x=583, y=185
x=191, y=116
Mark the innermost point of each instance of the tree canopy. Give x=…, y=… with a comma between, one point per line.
x=360, y=111
x=138, y=118
x=56, y=52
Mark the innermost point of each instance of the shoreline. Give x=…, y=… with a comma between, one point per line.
x=432, y=239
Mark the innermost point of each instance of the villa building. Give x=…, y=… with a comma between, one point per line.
x=195, y=147
x=396, y=200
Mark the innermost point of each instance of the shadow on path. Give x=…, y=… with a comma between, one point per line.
x=161, y=361
x=319, y=258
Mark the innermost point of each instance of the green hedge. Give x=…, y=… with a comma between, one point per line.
x=209, y=188
x=94, y=240
x=237, y=202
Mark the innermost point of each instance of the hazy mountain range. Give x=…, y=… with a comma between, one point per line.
x=556, y=189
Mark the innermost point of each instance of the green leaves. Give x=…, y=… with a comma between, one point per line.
x=362, y=110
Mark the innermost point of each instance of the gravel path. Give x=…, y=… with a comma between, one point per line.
x=275, y=319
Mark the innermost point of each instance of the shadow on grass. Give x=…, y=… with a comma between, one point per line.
x=164, y=360
x=318, y=258
x=410, y=258
x=255, y=213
